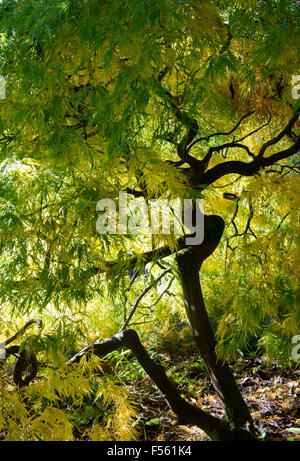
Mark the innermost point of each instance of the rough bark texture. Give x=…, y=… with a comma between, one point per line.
x=189, y=263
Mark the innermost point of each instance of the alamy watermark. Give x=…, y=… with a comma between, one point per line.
x=138, y=216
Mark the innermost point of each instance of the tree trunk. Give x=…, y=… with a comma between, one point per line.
x=238, y=425
x=189, y=263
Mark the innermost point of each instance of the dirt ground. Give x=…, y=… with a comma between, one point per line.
x=272, y=394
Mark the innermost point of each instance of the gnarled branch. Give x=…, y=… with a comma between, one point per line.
x=216, y=428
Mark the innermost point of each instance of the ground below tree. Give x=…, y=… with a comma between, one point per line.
x=272, y=394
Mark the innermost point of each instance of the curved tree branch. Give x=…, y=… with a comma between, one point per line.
x=247, y=168
x=284, y=132
x=221, y=133
x=216, y=428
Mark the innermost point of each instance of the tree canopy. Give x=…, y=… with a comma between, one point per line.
x=163, y=99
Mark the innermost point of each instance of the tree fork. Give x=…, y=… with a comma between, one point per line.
x=189, y=263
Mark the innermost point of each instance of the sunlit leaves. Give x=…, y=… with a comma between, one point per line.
x=99, y=97
x=56, y=400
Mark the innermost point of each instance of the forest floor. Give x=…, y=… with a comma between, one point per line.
x=272, y=394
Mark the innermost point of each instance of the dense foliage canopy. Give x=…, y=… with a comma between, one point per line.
x=162, y=99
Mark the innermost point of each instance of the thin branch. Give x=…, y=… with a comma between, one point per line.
x=284, y=132
x=251, y=214
x=279, y=225
x=228, y=184
x=160, y=296
x=220, y=133
x=256, y=130
x=231, y=144
x=22, y=330
x=140, y=297
x=183, y=117
x=211, y=225
x=234, y=215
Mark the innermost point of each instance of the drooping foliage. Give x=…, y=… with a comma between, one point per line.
x=106, y=96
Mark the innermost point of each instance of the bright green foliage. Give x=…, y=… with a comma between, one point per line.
x=49, y=410
x=87, y=114
x=259, y=292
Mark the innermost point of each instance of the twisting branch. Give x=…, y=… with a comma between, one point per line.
x=187, y=121
x=251, y=214
x=216, y=428
x=205, y=177
x=243, y=234
x=256, y=130
x=286, y=131
x=220, y=133
x=289, y=169
x=22, y=363
x=22, y=330
x=247, y=168
x=232, y=221
x=230, y=144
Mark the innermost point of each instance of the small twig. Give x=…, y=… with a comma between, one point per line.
x=23, y=329
x=160, y=296
x=279, y=225
x=147, y=289
x=224, y=133
x=251, y=213
x=229, y=184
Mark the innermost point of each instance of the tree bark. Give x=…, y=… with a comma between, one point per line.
x=189, y=263
x=238, y=425
x=216, y=428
